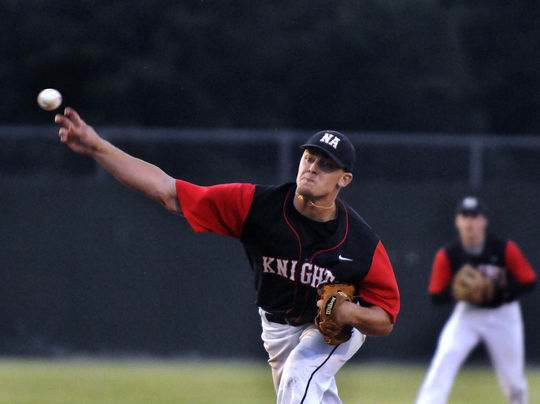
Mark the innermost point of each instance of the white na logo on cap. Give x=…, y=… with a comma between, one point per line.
x=470, y=203
x=330, y=140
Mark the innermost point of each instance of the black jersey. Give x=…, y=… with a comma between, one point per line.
x=291, y=254
x=500, y=260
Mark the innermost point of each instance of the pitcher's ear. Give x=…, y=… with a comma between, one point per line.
x=345, y=180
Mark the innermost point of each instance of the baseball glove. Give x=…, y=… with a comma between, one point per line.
x=472, y=286
x=333, y=295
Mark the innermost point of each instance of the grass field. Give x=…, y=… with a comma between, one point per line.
x=87, y=381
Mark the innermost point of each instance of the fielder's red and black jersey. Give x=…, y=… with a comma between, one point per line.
x=501, y=260
x=291, y=254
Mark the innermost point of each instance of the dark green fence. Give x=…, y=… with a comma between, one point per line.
x=90, y=267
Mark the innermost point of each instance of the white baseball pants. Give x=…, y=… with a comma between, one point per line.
x=501, y=329
x=303, y=365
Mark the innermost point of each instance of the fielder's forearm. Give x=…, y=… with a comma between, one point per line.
x=137, y=174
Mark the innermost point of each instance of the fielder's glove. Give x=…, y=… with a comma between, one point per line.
x=333, y=295
x=472, y=286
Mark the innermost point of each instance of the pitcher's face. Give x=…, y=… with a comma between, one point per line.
x=319, y=176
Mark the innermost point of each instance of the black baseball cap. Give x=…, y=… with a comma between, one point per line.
x=336, y=145
x=471, y=205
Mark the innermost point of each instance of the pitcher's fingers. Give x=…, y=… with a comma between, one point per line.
x=63, y=120
x=63, y=133
x=75, y=118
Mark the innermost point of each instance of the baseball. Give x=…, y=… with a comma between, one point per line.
x=49, y=99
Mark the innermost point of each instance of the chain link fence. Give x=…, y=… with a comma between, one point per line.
x=88, y=266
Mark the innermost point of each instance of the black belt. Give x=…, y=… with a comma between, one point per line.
x=276, y=319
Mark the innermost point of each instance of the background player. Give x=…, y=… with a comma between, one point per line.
x=497, y=321
x=297, y=236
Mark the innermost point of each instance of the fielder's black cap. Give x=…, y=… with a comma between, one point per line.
x=336, y=145
x=471, y=205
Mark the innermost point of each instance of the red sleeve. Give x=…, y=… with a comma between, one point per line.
x=517, y=264
x=441, y=273
x=220, y=209
x=379, y=287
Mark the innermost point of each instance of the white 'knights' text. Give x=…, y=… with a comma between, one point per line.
x=307, y=273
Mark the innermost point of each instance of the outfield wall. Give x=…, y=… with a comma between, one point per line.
x=90, y=267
